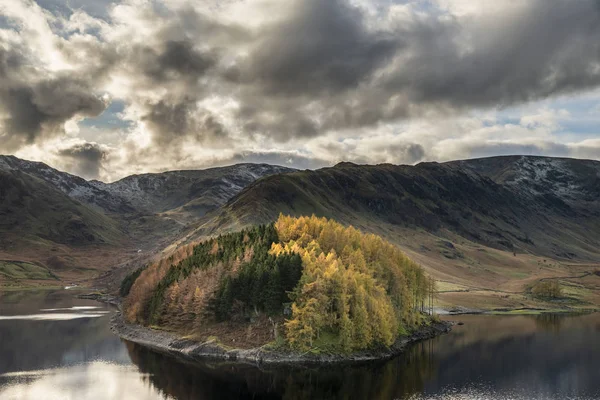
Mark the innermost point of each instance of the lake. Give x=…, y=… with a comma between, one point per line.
x=55, y=346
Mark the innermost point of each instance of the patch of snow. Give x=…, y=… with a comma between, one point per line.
x=231, y=185
x=4, y=164
x=545, y=175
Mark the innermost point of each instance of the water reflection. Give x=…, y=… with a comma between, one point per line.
x=495, y=357
x=55, y=346
x=95, y=380
x=52, y=316
x=549, y=322
x=490, y=357
x=397, y=379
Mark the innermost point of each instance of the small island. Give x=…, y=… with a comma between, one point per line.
x=301, y=289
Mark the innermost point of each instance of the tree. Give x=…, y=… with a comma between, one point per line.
x=547, y=290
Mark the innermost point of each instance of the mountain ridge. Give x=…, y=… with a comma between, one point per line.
x=114, y=198
x=93, y=226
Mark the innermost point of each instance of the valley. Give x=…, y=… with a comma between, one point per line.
x=485, y=229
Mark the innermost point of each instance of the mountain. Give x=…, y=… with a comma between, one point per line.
x=478, y=225
x=572, y=181
x=77, y=228
x=510, y=203
x=41, y=229
x=32, y=208
x=193, y=191
x=190, y=192
x=73, y=186
x=486, y=229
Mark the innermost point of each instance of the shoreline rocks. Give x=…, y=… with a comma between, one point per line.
x=170, y=344
x=102, y=298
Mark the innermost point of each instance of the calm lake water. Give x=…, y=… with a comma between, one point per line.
x=54, y=346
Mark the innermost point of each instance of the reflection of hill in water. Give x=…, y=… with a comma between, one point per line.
x=549, y=354
x=31, y=345
x=508, y=356
x=27, y=345
x=397, y=378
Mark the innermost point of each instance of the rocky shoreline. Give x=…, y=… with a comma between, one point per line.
x=170, y=344
x=102, y=298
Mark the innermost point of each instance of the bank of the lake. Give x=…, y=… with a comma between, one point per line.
x=171, y=344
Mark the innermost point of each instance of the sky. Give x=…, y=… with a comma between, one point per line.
x=104, y=89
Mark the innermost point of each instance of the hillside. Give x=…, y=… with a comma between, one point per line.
x=31, y=208
x=72, y=186
x=486, y=229
x=41, y=225
x=73, y=229
x=476, y=225
x=341, y=290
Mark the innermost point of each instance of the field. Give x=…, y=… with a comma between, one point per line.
x=491, y=279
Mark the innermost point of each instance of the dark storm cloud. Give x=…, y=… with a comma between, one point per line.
x=168, y=119
x=84, y=159
x=171, y=121
x=325, y=53
x=546, y=48
x=405, y=153
x=176, y=60
x=30, y=108
x=43, y=107
x=324, y=46
x=10, y=61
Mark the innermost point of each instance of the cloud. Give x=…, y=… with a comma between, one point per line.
x=293, y=159
x=95, y=8
x=84, y=159
x=173, y=60
x=34, y=109
x=311, y=81
x=169, y=122
x=406, y=153
x=518, y=54
x=320, y=47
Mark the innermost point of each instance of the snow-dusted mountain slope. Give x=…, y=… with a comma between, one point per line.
x=73, y=186
x=194, y=190
x=569, y=180
x=197, y=191
x=531, y=205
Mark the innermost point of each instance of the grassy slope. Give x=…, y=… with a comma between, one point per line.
x=464, y=228
x=32, y=209
x=23, y=270
x=41, y=225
